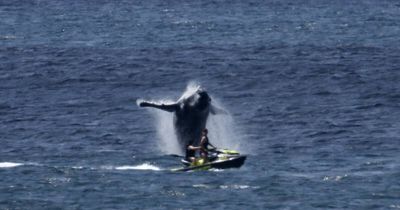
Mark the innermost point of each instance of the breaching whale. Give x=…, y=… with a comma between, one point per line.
x=190, y=115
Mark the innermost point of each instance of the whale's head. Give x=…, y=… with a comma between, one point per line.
x=199, y=100
x=204, y=99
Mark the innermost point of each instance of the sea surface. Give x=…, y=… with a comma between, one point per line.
x=312, y=89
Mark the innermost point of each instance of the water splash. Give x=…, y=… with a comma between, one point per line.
x=168, y=141
x=191, y=89
x=222, y=132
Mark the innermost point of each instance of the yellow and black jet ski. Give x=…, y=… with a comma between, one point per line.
x=218, y=159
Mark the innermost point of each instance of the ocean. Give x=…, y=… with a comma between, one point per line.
x=311, y=87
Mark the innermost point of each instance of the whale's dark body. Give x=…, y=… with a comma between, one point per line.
x=190, y=115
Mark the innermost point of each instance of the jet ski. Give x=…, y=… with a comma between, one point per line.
x=218, y=159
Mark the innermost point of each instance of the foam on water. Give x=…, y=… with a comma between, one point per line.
x=234, y=187
x=144, y=166
x=225, y=187
x=9, y=164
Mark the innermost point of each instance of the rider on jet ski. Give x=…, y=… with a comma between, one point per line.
x=191, y=153
x=204, y=143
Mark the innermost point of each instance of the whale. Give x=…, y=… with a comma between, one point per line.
x=190, y=114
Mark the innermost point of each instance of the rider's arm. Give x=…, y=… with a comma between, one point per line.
x=212, y=145
x=203, y=139
x=194, y=148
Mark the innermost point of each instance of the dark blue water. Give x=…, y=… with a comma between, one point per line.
x=312, y=88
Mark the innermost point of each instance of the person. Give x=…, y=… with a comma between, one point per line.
x=191, y=153
x=204, y=143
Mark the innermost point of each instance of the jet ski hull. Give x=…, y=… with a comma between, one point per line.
x=230, y=162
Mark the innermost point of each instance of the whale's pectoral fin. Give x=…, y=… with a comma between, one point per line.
x=216, y=110
x=165, y=107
